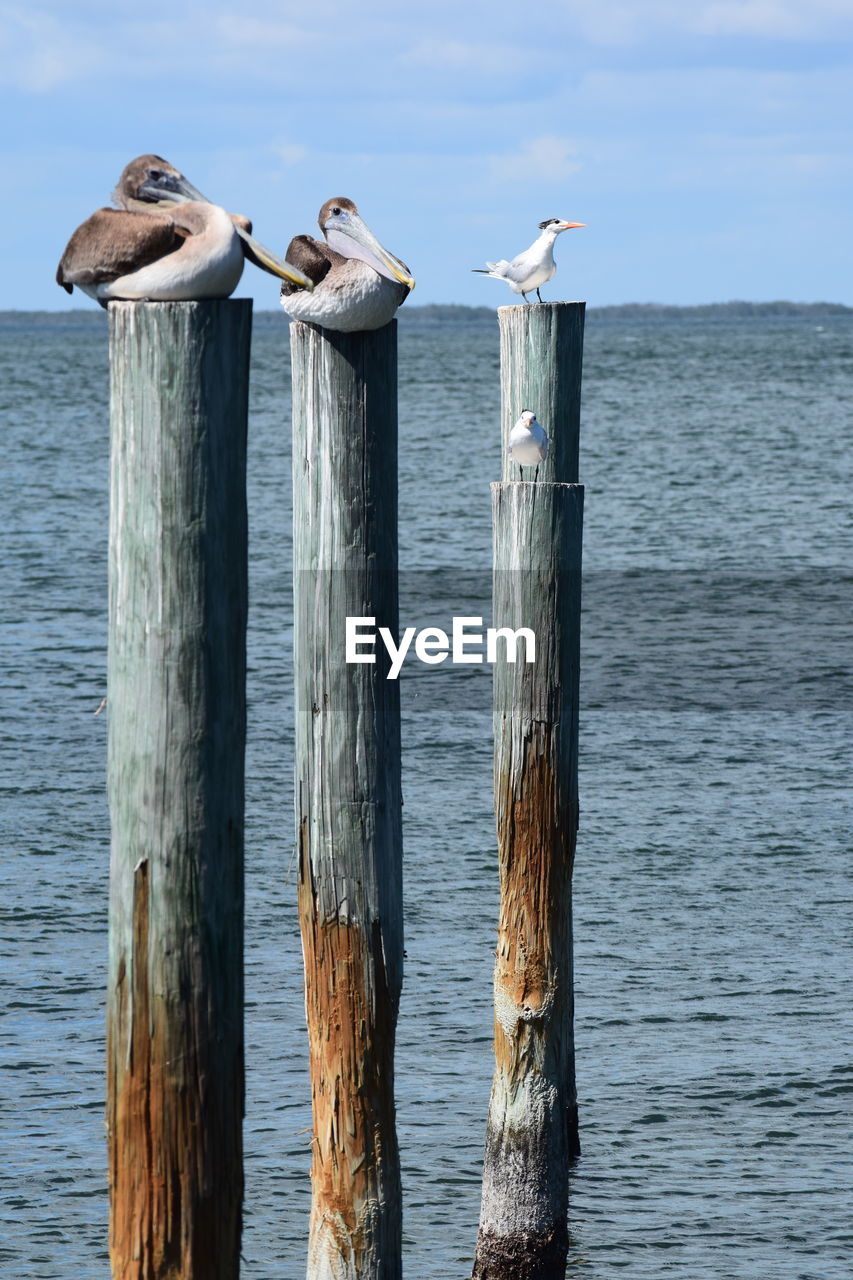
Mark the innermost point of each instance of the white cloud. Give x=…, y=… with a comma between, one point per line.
x=813, y=165
x=456, y=55
x=544, y=159
x=265, y=34
x=776, y=19
x=45, y=48
x=38, y=54
x=289, y=153
x=620, y=22
x=665, y=104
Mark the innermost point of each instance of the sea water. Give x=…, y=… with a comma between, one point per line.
x=712, y=882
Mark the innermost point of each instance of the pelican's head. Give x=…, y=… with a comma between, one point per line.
x=559, y=224
x=348, y=234
x=151, y=180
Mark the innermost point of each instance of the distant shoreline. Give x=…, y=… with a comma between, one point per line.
x=645, y=311
x=456, y=313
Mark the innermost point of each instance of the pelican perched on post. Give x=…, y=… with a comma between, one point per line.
x=165, y=242
x=357, y=283
x=536, y=265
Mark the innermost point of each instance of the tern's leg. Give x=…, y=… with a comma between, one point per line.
x=524, y=295
x=538, y=295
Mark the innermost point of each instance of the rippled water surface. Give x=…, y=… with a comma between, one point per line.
x=712, y=887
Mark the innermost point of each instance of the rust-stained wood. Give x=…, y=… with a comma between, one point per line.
x=348, y=790
x=176, y=686
x=532, y=1128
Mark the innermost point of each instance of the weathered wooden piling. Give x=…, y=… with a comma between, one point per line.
x=176, y=700
x=532, y=1128
x=348, y=797
x=541, y=360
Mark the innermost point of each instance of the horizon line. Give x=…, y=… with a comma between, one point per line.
x=744, y=305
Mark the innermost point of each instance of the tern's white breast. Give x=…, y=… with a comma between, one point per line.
x=528, y=445
x=534, y=267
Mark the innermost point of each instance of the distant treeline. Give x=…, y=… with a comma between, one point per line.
x=722, y=310
x=452, y=313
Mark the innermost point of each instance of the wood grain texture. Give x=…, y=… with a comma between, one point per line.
x=176, y=689
x=541, y=361
x=531, y=1133
x=348, y=790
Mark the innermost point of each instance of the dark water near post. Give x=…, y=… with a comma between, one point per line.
x=713, y=895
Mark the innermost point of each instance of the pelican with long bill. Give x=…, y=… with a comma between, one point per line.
x=165, y=242
x=357, y=283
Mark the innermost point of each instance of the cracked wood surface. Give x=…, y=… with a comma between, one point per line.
x=348, y=791
x=531, y=1133
x=532, y=1126
x=176, y=689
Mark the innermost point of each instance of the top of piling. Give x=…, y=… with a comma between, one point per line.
x=541, y=364
x=530, y=307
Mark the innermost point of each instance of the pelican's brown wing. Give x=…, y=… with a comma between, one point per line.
x=113, y=243
x=313, y=258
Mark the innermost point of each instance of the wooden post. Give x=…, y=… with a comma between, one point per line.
x=348, y=797
x=176, y=689
x=532, y=1129
x=541, y=359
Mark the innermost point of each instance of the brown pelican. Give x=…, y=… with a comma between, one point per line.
x=536, y=265
x=357, y=284
x=166, y=242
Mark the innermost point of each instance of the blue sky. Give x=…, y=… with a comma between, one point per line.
x=706, y=143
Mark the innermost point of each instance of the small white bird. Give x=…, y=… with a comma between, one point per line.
x=528, y=442
x=534, y=267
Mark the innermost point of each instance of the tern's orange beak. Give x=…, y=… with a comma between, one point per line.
x=567, y=226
